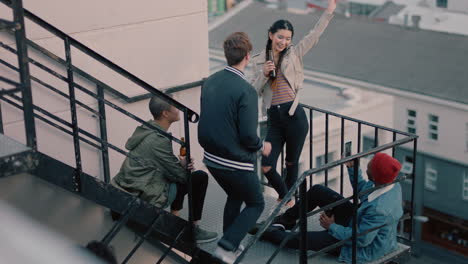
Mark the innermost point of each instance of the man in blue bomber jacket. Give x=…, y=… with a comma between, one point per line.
x=227, y=131
x=380, y=208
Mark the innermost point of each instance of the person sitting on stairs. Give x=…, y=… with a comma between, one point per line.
x=380, y=208
x=158, y=176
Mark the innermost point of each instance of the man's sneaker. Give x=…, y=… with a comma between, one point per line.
x=284, y=222
x=228, y=256
x=204, y=236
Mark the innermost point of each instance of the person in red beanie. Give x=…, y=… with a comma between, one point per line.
x=382, y=207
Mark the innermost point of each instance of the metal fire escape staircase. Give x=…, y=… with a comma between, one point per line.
x=29, y=178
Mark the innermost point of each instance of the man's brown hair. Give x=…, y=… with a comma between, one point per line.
x=236, y=47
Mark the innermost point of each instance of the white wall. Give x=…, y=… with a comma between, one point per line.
x=163, y=43
x=452, y=5
x=458, y=5
x=451, y=144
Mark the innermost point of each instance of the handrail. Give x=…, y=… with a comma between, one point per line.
x=5, y=24
x=50, y=87
x=93, y=79
x=83, y=89
x=193, y=116
x=310, y=172
x=329, y=206
x=69, y=125
x=356, y=120
x=72, y=127
x=301, y=181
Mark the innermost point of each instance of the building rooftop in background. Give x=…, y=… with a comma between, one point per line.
x=434, y=15
x=435, y=19
x=419, y=61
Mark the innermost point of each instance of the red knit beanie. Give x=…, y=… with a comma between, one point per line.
x=384, y=168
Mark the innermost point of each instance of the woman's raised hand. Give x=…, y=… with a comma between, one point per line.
x=331, y=6
x=268, y=66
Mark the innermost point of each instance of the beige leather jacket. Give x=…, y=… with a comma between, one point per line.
x=292, y=65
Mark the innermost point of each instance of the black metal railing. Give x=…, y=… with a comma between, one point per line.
x=24, y=86
x=31, y=111
x=301, y=184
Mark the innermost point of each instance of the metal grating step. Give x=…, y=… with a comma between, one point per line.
x=15, y=157
x=9, y=146
x=71, y=216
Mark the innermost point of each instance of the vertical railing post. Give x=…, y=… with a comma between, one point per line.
x=417, y=198
x=303, y=222
x=189, y=174
x=326, y=148
x=74, y=120
x=1, y=120
x=355, y=207
x=359, y=138
x=376, y=137
x=393, y=140
x=23, y=65
x=341, y=153
x=103, y=132
x=311, y=149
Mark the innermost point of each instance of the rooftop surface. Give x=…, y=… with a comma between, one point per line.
x=419, y=61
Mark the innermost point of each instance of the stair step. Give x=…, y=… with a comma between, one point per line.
x=10, y=146
x=73, y=217
x=15, y=157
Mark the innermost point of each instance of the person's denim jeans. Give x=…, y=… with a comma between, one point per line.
x=240, y=187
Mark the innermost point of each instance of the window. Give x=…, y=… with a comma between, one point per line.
x=320, y=160
x=433, y=127
x=411, y=123
x=442, y=3
x=430, y=181
x=407, y=166
x=465, y=185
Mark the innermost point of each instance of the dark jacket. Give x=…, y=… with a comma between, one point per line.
x=158, y=170
x=228, y=120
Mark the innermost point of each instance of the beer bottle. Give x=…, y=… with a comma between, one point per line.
x=183, y=150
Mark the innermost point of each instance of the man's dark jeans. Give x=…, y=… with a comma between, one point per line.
x=199, y=185
x=240, y=187
x=320, y=196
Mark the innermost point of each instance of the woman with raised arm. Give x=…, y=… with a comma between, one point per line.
x=278, y=77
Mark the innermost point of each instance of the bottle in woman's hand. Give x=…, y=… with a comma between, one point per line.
x=270, y=57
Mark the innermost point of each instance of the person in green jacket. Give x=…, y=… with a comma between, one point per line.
x=158, y=176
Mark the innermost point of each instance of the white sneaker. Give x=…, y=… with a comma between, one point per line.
x=226, y=256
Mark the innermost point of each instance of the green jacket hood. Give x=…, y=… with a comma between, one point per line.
x=140, y=134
